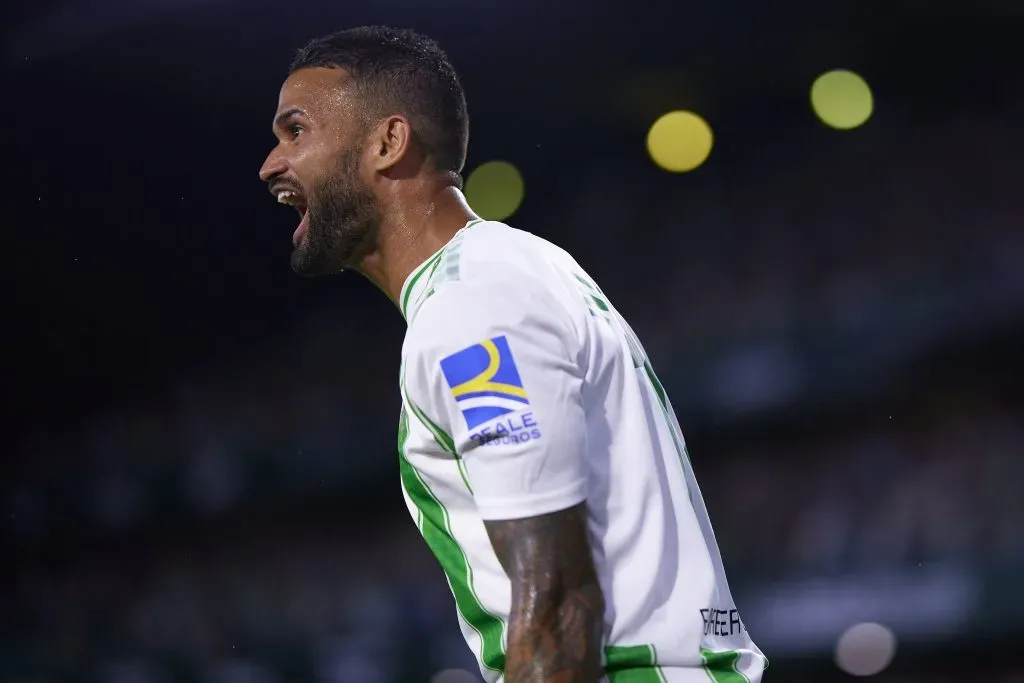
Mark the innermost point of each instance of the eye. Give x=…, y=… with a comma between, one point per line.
x=294, y=130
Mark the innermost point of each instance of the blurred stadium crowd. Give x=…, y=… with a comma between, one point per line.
x=820, y=301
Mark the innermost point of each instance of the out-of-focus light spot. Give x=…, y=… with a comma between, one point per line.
x=455, y=676
x=679, y=141
x=865, y=649
x=842, y=99
x=495, y=190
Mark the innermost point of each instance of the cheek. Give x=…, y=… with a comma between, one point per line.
x=311, y=156
x=307, y=162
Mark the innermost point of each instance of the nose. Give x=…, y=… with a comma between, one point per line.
x=274, y=166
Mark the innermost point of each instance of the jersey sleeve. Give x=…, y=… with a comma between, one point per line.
x=495, y=365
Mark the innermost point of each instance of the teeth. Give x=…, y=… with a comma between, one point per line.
x=286, y=196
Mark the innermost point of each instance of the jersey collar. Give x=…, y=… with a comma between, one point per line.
x=417, y=281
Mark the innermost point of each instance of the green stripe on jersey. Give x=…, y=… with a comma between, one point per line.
x=431, y=262
x=436, y=529
x=721, y=666
x=442, y=438
x=640, y=675
x=659, y=389
x=632, y=664
x=452, y=255
x=449, y=254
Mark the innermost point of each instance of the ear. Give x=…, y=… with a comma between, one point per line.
x=392, y=141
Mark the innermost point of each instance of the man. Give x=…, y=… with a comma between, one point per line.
x=539, y=454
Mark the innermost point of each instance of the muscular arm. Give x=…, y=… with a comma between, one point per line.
x=557, y=620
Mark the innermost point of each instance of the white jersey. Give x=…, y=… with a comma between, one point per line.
x=524, y=392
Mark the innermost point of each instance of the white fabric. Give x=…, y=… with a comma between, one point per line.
x=514, y=353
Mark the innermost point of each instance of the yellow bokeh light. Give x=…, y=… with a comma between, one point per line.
x=841, y=99
x=495, y=190
x=680, y=141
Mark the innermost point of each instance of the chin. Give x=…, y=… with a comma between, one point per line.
x=308, y=265
x=301, y=262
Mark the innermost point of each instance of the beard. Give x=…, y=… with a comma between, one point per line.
x=344, y=217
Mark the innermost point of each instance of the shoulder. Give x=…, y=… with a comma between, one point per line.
x=488, y=267
x=493, y=247
x=502, y=297
x=463, y=313
x=493, y=279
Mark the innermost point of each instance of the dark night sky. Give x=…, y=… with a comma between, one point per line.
x=141, y=245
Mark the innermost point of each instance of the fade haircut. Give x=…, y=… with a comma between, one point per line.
x=399, y=71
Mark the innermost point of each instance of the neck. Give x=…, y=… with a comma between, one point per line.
x=411, y=232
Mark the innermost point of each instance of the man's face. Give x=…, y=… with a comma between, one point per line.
x=317, y=168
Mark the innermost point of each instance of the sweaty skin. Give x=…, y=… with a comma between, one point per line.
x=557, y=620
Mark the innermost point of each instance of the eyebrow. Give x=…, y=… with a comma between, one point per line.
x=280, y=119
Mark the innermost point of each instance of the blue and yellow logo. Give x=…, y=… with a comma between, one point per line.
x=485, y=381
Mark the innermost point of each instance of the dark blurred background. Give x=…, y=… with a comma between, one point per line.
x=199, y=480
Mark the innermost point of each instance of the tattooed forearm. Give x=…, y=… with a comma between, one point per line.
x=557, y=621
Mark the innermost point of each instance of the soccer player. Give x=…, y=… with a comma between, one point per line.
x=539, y=454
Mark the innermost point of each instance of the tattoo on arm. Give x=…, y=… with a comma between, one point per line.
x=555, y=631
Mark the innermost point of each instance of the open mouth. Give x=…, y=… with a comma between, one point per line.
x=297, y=201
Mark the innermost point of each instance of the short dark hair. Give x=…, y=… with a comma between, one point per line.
x=401, y=71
